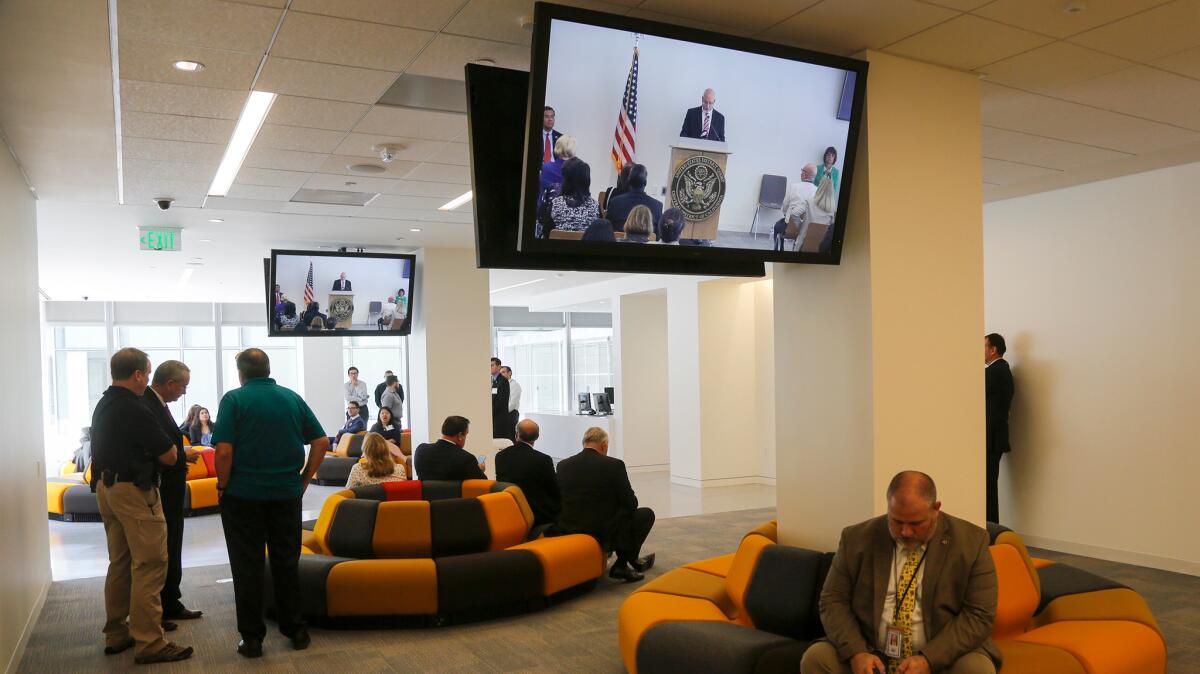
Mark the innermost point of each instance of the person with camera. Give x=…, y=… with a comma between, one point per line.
x=128, y=447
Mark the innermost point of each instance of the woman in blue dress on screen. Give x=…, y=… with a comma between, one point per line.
x=574, y=209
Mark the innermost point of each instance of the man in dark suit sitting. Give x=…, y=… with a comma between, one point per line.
x=532, y=471
x=704, y=122
x=446, y=459
x=619, y=207
x=598, y=500
x=342, y=283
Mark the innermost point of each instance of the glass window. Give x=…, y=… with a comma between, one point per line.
x=202, y=388
x=148, y=336
x=285, y=369
x=199, y=336
x=80, y=337
x=373, y=356
x=536, y=359
x=77, y=376
x=591, y=367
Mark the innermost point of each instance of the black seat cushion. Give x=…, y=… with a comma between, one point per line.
x=352, y=528
x=458, y=527
x=783, y=592
x=354, y=449
x=1059, y=580
x=374, y=492
x=488, y=579
x=334, y=470
x=703, y=647
x=436, y=490
x=313, y=571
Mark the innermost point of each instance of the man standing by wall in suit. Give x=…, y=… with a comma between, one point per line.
x=549, y=135
x=170, y=382
x=500, y=424
x=704, y=122
x=342, y=283
x=998, y=392
x=514, y=400
x=598, y=500
x=915, y=589
x=532, y=471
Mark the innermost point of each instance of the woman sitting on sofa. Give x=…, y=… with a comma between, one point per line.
x=200, y=432
x=377, y=465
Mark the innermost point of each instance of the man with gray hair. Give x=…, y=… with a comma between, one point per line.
x=598, y=500
x=532, y=471
x=909, y=592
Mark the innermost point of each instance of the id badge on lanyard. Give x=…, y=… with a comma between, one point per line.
x=891, y=645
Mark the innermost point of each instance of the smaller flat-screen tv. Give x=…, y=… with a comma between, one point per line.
x=336, y=294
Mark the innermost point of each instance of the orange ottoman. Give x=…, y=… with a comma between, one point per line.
x=566, y=561
x=1105, y=646
x=382, y=587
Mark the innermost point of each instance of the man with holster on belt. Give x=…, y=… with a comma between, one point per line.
x=128, y=444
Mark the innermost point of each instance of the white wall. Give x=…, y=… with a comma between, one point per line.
x=779, y=114
x=322, y=378
x=640, y=378
x=26, y=573
x=372, y=279
x=1093, y=288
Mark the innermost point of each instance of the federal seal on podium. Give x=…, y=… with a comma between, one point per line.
x=341, y=308
x=698, y=187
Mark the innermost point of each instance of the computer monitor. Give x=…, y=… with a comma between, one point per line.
x=611, y=394
x=585, y=404
x=602, y=406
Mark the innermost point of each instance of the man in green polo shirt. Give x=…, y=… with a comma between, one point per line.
x=260, y=435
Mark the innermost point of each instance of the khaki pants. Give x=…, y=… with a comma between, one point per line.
x=137, y=565
x=821, y=658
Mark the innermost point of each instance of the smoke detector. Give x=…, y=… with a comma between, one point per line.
x=387, y=152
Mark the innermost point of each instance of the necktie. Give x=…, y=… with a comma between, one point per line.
x=547, y=153
x=704, y=131
x=904, y=610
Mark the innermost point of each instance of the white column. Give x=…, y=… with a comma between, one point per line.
x=323, y=377
x=639, y=366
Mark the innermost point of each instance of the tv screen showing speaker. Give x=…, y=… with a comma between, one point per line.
x=647, y=139
x=335, y=294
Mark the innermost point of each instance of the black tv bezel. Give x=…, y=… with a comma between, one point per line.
x=405, y=328
x=498, y=211
x=544, y=13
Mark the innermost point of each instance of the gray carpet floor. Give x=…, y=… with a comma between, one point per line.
x=577, y=635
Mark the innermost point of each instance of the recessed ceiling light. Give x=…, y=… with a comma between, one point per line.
x=189, y=66
x=516, y=285
x=205, y=240
x=399, y=238
x=1075, y=7
x=486, y=62
x=415, y=229
x=456, y=201
x=216, y=220
x=369, y=169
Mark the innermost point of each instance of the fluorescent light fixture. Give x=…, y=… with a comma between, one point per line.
x=189, y=66
x=517, y=285
x=248, y=124
x=216, y=220
x=456, y=202
x=415, y=229
x=186, y=275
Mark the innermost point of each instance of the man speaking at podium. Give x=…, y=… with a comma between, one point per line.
x=704, y=122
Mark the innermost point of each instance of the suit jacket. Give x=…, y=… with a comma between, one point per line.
x=533, y=472
x=693, y=124
x=500, y=424
x=596, y=493
x=998, y=387
x=340, y=282
x=167, y=421
x=619, y=207
x=444, y=460
x=958, y=591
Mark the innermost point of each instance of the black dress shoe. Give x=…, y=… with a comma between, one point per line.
x=169, y=626
x=644, y=564
x=182, y=614
x=250, y=648
x=300, y=638
x=623, y=572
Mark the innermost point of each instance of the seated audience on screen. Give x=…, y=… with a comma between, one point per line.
x=599, y=230
x=387, y=311
x=191, y=416
x=312, y=311
x=387, y=426
x=288, y=320
x=620, y=188
x=401, y=305
x=796, y=204
x=354, y=422
x=564, y=149
x=827, y=168
x=377, y=465
x=446, y=459
x=639, y=226
x=670, y=227
x=574, y=209
x=200, y=431
x=532, y=471
x=620, y=206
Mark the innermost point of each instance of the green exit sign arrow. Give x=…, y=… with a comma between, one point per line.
x=160, y=238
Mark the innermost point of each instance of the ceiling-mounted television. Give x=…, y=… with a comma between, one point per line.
x=736, y=149
x=339, y=294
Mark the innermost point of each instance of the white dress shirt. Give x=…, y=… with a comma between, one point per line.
x=514, y=395
x=795, y=203
x=899, y=555
x=357, y=393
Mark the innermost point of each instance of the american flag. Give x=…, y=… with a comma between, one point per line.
x=624, y=147
x=308, y=286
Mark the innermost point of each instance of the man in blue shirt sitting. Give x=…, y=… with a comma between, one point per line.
x=619, y=207
x=354, y=423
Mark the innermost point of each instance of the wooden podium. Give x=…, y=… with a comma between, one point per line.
x=345, y=319
x=695, y=192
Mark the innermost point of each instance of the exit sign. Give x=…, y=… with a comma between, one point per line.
x=160, y=238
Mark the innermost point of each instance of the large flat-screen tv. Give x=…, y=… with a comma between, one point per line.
x=337, y=294
x=742, y=149
x=496, y=107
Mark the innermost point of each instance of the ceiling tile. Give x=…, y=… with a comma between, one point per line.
x=684, y=21
x=1153, y=34
x=1006, y=108
x=260, y=192
x=412, y=123
x=202, y=23
x=410, y=149
x=259, y=206
x=1046, y=152
x=207, y=154
x=967, y=42
x=408, y=203
x=167, y=170
x=424, y=14
x=284, y=160
x=501, y=20
x=298, y=138
x=152, y=62
x=990, y=190
x=1185, y=63
x=849, y=26
x=351, y=43
x=336, y=164
x=176, y=127
x=1002, y=172
x=1142, y=92
x=463, y=215
x=270, y=177
x=1053, y=66
x=279, y=4
x=316, y=113
x=447, y=54
x=330, y=181
x=416, y=188
x=453, y=153
x=440, y=173
x=322, y=80
x=751, y=16
x=1050, y=18
x=960, y=5
x=176, y=99
x=143, y=190
x=321, y=209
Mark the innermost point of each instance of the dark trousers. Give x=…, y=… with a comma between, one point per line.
x=249, y=525
x=513, y=417
x=993, y=478
x=171, y=493
x=629, y=532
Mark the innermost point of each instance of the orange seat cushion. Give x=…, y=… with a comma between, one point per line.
x=566, y=561
x=1114, y=604
x=325, y=519
x=204, y=492
x=1025, y=658
x=382, y=587
x=402, y=530
x=1038, y=562
x=643, y=610
x=197, y=470
x=476, y=488
x=54, y=496
x=1017, y=598
x=717, y=566
x=504, y=520
x=741, y=570
x=685, y=582
x=768, y=529
x=519, y=497
x=1105, y=646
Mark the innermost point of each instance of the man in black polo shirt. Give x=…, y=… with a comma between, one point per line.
x=128, y=443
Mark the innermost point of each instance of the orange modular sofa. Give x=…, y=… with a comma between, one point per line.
x=69, y=497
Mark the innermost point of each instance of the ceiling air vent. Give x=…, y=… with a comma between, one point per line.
x=333, y=197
